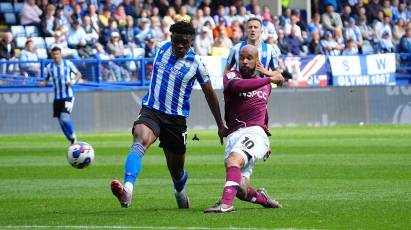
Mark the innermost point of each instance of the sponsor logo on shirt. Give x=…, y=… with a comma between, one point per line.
x=258, y=93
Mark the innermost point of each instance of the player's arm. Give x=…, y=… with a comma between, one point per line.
x=77, y=76
x=276, y=75
x=237, y=85
x=212, y=102
x=230, y=61
x=46, y=80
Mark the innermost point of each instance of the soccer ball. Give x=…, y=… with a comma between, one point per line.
x=80, y=155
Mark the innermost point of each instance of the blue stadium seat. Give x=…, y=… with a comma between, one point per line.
x=32, y=31
x=21, y=42
x=18, y=31
x=42, y=53
x=39, y=42
x=49, y=42
x=17, y=7
x=6, y=7
x=10, y=19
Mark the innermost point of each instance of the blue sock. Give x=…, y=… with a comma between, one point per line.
x=133, y=163
x=67, y=126
x=181, y=183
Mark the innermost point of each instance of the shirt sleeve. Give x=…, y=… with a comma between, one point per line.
x=202, y=75
x=72, y=67
x=274, y=59
x=231, y=57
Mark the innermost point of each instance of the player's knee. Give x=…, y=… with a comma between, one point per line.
x=234, y=160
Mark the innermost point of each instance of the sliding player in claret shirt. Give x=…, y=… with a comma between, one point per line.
x=246, y=99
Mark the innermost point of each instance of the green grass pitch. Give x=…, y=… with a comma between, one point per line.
x=326, y=178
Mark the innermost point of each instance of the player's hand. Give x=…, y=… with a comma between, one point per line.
x=260, y=68
x=43, y=84
x=222, y=133
x=277, y=78
x=267, y=155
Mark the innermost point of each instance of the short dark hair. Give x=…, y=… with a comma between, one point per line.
x=183, y=27
x=255, y=19
x=56, y=48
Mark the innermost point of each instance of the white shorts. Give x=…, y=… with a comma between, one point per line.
x=252, y=143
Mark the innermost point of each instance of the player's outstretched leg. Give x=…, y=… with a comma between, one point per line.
x=233, y=179
x=132, y=170
x=269, y=203
x=260, y=196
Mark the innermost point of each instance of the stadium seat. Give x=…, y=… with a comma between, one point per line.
x=42, y=53
x=17, y=7
x=18, y=31
x=32, y=31
x=49, y=41
x=6, y=7
x=10, y=19
x=21, y=42
x=39, y=42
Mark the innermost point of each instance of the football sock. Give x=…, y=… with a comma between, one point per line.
x=133, y=164
x=233, y=179
x=67, y=126
x=255, y=197
x=181, y=183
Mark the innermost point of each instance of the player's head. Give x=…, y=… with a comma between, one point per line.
x=182, y=35
x=56, y=54
x=248, y=60
x=253, y=29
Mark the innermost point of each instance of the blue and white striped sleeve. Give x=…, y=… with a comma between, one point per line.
x=202, y=75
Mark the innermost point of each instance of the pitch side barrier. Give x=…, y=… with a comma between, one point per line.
x=315, y=71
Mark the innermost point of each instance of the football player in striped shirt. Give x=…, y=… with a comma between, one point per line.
x=268, y=57
x=164, y=111
x=64, y=75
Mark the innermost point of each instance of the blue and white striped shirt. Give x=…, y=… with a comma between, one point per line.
x=266, y=53
x=172, y=81
x=61, y=74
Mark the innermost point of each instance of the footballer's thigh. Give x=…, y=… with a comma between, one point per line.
x=146, y=128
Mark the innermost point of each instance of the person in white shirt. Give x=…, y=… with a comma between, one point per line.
x=30, y=14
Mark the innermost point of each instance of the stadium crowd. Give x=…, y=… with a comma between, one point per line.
x=110, y=29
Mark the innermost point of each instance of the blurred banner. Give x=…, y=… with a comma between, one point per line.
x=309, y=71
x=376, y=69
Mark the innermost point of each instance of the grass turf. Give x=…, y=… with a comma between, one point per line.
x=326, y=178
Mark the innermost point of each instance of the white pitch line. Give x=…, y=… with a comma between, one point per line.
x=126, y=227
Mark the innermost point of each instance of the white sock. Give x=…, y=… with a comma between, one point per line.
x=128, y=186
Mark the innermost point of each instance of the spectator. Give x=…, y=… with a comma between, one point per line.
x=191, y=7
x=373, y=9
x=155, y=31
x=116, y=72
x=30, y=14
x=77, y=39
x=128, y=7
x=339, y=38
x=405, y=42
x=385, y=45
x=104, y=17
x=238, y=32
x=282, y=42
x=121, y=16
x=346, y=15
x=293, y=25
x=384, y=26
x=226, y=40
x=387, y=8
x=268, y=27
x=203, y=42
x=314, y=47
x=91, y=33
x=151, y=49
x=352, y=32
x=251, y=6
x=115, y=45
x=331, y=20
x=222, y=26
x=351, y=48
x=62, y=20
x=76, y=16
x=243, y=16
x=129, y=32
x=398, y=31
x=61, y=42
x=49, y=21
x=7, y=53
x=330, y=46
x=207, y=16
x=232, y=15
x=107, y=31
x=219, y=49
x=28, y=54
x=94, y=17
x=402, y=12
x=294, y=43
x=315, y=25
x=108, y=5
x=221, y=16
x=182, y=15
